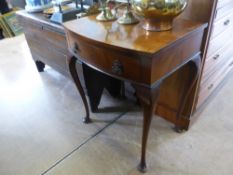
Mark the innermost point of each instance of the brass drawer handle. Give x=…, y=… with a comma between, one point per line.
x=211, y=86
x=216, y=57
x=75, y=48
x=226, y=22
x=117, y=67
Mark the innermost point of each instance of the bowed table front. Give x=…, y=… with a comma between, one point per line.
x=133, y=54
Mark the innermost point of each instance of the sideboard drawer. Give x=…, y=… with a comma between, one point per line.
x=222, y=24
x=220, y=41
x=115, y=63
x=223, y=11
x=216, y=60
x=209, y=85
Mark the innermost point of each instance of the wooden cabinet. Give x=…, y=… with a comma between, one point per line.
x=47, y=41
x=218, y=61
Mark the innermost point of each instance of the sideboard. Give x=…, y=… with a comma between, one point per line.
x=47, y=41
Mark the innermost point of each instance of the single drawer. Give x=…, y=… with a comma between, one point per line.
x=222, y=3
x=222, y=25
x=106, y=59
x=208, y=86
x=219, y=58
x=220, y=41
x=224, y=10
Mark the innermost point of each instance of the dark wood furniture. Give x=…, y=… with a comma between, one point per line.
x=143, y=58
x=46, y=40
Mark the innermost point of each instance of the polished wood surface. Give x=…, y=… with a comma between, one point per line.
x=143, y=58
x=198, y=10
x=148, y=98
x=114, y=34
x=71, y=62
x=128, y=49
x=46, y=41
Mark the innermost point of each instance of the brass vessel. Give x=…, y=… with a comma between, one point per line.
x=128, y=17
x=158, y=14
x=106, y=13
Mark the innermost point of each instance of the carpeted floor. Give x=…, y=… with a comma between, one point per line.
x=41, y=129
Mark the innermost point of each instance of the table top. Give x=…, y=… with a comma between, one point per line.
x=131, y=37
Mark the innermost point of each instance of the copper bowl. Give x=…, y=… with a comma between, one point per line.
x=158, y=14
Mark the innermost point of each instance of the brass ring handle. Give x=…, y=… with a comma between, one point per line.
x=117, y=67
x=226, y=22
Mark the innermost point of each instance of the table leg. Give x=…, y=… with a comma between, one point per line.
x=72, y=68
x=148, y=98
x=195, y=67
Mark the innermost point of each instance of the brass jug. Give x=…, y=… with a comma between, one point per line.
x=158, y=14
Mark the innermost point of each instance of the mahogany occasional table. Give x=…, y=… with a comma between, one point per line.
x=133, y=54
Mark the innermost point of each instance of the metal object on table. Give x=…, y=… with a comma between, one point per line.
x=106, y=13
x=93, y=9
x=60, y=15
x=128, y=17
x=158, y=14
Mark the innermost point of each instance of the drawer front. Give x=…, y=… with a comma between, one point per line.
x=223, y=11
x=220, y=41
x=222, y=3
x=219, y=58
x=108, y=60
x=46, y=36
x=222, y=25
x=208, y=86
